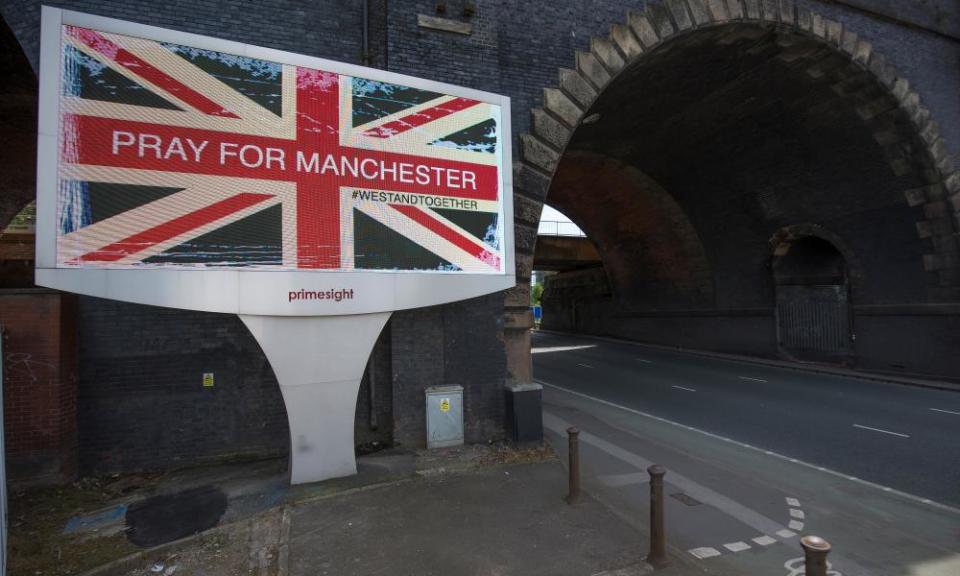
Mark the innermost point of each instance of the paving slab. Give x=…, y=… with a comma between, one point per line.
x=501, y=521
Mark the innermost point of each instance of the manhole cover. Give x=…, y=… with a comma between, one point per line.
x=170, y=517
x=688, y=500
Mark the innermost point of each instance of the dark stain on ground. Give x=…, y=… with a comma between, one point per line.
x=168, y=517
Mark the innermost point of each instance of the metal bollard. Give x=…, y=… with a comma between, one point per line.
x=815, y=550
x=574, y=454
x=658, y=537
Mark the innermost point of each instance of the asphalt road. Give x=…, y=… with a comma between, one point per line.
x=903, y=437
x=758, y=456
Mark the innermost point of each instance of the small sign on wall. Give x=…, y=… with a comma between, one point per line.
x=208, y=379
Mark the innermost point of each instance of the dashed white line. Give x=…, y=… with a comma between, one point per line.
x=585, y=365
x=796, y=525
x=764, y=540
x=705, y=552
x=879, y=430
x=684, y=388
x=792, y=502
x=644, y=360
x=751, y=379
x=737, y=546
x=786, y=533
x=946, y=411
x=798, y=514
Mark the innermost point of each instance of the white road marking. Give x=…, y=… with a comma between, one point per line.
x=548, y=349
x=705, y=552
x=796, y=525
x=751, y=379
x=585, y=365
x=620, y=480
x=737, y=546
x=946, y=411
x=793, y=502
x=786, y=534
x=764, y=540
x=883, y=431
x=899, y=493
x=798, y=514
x=684, y=388
x=644, y=360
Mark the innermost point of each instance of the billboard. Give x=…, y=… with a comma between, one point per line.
x=187, y=171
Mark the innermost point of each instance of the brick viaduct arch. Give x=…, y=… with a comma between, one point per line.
x=828, y=52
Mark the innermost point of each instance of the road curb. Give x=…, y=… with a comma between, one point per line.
x=798, y=366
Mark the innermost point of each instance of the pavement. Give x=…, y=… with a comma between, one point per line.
x=476, y=510
x=757, y=456
x=509, y=520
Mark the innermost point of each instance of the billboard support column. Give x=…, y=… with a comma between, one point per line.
x=319, y=362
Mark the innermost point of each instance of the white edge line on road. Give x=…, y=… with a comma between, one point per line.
x=684, y=388
x=585, y=365
x=751, y=379
x=796, y=525
x=899, y=493
x=644, y=360
x=793, y=502
x=946, y=411
x=879, y=430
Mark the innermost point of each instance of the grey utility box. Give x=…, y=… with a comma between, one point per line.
x=444, y=416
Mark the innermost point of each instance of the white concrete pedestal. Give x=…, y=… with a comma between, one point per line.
x=319, y=362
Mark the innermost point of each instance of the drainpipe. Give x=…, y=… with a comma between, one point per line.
x=372, y=383
x=366, y=33
x=371, y=367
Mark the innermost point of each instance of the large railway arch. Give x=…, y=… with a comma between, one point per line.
x=758, y=180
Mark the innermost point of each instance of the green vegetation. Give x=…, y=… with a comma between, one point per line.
x=536, y=293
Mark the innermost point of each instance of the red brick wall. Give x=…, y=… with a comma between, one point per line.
x=39, y=385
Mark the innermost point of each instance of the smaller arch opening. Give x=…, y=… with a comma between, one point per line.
x=567, y=272
x=812, y=292
x=17, y=248
x=810, y=260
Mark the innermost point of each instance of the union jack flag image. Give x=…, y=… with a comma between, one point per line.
x=178, y=156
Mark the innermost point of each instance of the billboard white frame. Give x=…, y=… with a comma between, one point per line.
x=318, y=348
x=252, y=291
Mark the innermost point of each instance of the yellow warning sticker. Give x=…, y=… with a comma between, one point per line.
x=208, y=379
x=444, y=404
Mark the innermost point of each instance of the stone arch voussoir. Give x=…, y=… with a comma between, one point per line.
x=566, y=105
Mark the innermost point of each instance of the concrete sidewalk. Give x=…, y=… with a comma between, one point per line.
x=504, y=520
x=450, y=513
